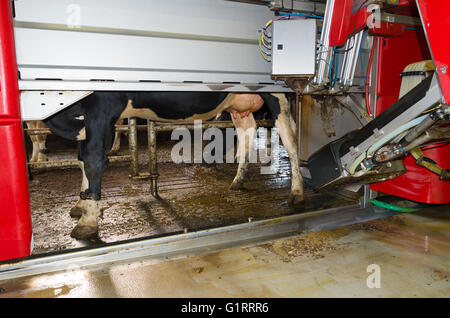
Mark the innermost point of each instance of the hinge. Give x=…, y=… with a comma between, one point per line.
x=13, y=9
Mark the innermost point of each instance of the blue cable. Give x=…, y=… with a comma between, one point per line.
x=331, y=65
x=334, y=59
x=302, y=15
x=336, y=69
x=360, y=55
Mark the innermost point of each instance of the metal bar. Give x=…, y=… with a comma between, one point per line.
x=297, y=6
x=162, y=126
x=38, y=131
x=298, y=105
x=394, y=18
x=324, y=54
x=62, y=85
x=143, y=33
x=256, y=2
x=71, y=163
x=153, y=165
x=195, y=242
x=351, y=58
x=133, y=147
x=365, y=200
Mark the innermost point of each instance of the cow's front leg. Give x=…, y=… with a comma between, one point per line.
x=78, y=209
x=246, y=129
x=93, y=163
x=87, y=226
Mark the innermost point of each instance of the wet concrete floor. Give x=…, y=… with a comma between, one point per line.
x=193, y=196
x=411, y=251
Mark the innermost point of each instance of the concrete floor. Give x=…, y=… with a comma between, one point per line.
x=193, y=197
x=411, y=250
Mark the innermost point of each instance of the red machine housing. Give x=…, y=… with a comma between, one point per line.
x=15, y=216
x=394, y=54
x=397, y=48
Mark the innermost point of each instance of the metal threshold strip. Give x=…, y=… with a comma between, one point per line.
x=191, y=243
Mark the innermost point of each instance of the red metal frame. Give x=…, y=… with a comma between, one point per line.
x=15, y=216
x=398, y=48
x=436, y=21
x=417, y=184
x=387, y=29
x=344, y=24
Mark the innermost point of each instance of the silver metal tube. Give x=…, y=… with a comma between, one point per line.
x=418, y=141
x=350, y=61
x=153, y=165
x=324, y=53
x=419, y=129
x=298, y=105
x=133, y=147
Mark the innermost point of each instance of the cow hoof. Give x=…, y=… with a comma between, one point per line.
x=295, y=198
x=76, y=212
x=236, y=186
x=83, y=232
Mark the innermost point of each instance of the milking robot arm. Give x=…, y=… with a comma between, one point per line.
x=414, y=120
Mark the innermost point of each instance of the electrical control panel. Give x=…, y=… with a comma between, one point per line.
x=294, y=47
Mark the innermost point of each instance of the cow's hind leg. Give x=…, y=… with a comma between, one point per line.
x=246, y=129
x=280, y=110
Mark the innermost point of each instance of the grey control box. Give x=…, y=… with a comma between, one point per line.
x=294, y=47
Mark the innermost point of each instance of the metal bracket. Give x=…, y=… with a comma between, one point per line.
x=39, y=105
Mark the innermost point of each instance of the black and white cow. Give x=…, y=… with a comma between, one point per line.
x=91, y=122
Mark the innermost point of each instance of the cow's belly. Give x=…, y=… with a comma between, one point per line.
x=150, y=113
x=176, y=106
x=187, y=108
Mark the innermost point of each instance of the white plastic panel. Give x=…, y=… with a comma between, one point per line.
x=208, y=41
x=38, y=105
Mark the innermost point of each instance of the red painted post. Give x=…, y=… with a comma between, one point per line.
x=15, y=217
x=436, y=22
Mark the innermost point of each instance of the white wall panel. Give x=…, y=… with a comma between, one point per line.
x=211, y=41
